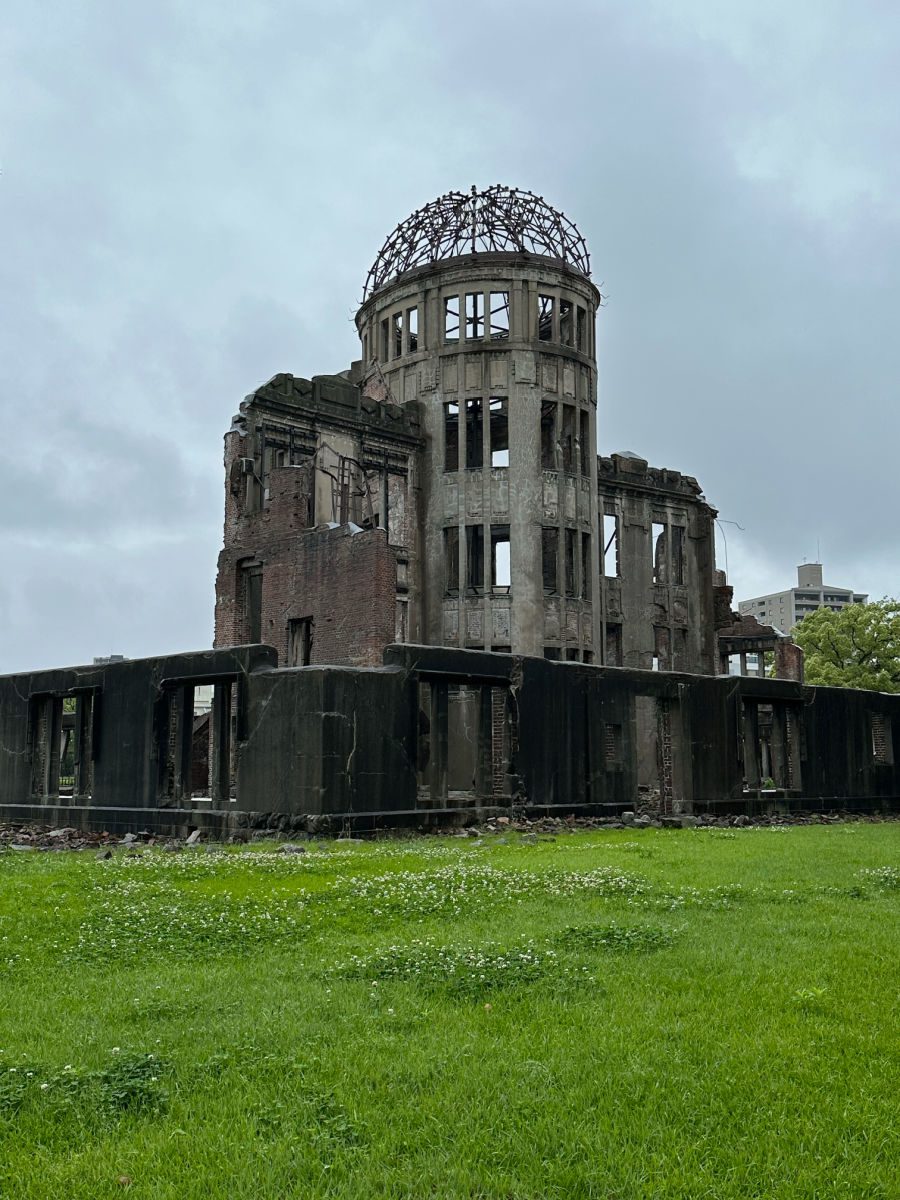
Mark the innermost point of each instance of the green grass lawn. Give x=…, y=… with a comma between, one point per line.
x=661, y=1013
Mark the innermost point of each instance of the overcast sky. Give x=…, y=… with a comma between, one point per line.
x=191, y=194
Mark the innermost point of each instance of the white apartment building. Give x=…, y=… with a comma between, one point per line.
x=784, y=609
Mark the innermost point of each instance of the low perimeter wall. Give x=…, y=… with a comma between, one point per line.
x=224, y=739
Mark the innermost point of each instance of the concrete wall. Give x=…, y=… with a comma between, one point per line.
x=302, y=457
x=328, y=746
x=542, y=371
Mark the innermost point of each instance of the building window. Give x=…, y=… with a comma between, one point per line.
x=252, y=579
x=570, y=540
x=659, y=553
x=499, y=418
x=451, y=437
x=475, y=558
x=548, y=435
x=474, y=434
x=882, y=742
x=451, y=560
x=580, y=331
x=585, y=566
x=567, y=440
x=661, y=648
x=551, y=653
x=499, y=316
x=62, y=739
x=676, y=546
x=566, y=326
x=451, y=318
x=300, y=642
x=584, y=443
x=613, y=645
x=546, y=306
x=612, y=746
x=610, y=563
x=500, y=563
x=397, y=340
x=549, y=559
x=474, y=316
x=412, y=330
x=401, y=621
x=385, y=340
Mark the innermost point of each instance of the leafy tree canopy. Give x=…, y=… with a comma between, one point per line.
x=858, y=647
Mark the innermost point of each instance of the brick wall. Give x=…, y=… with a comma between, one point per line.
x=346, y=582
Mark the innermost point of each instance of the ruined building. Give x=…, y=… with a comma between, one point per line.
x=435, y=600
x=446, y=489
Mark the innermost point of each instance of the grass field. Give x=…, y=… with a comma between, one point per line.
x=673, y=1014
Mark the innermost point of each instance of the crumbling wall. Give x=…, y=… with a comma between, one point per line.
x=370, y=746
x=343, y=581
x=657, y=575
x=303, y=456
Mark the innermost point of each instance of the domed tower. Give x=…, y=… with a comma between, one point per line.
x=481, y=307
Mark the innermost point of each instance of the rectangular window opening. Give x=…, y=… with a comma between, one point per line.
x=474, y=435
x=549, y=560
x=500, y=562
x=451, y=318
x=62, y=742
x=585, y=566
x=661, y=648
x=580, y=329
x=401, y=630
x=197, y=732
x=610, y=558
x=499, y=418
x=475, y=558
x=612, y=746
x=412, y=330
x=385, y=340
x=474, y=316
x=300, y=641
x=882, y=742
x=551, y=653
x=397, y=339
x=548, y=435
x=451, y=437
x=451, y=560
x=546, y=306
x=584, y=443
x=568, y=439
x=571, y=536
x=566, y=323
x=499, y=316
x=613, y=645
x=676, y=545
x=659, y=552
x=252, y=602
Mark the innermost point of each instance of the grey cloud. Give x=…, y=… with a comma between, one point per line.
x=195, y=195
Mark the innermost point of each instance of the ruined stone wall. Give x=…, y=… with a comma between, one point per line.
x=344, y=583
x=499, y=351
x=308, y=463
x=657, y=568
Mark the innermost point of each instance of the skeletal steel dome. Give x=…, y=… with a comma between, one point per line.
x=498, y=219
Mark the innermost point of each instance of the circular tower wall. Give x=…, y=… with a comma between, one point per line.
x=497, y=345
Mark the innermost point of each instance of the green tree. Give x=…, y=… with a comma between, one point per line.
x=858, y=647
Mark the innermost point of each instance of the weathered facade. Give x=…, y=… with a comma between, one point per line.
x=432, y=735
x=321, y=529
x=406, y=545
x=467, y=433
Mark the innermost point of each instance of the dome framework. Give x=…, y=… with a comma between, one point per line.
x=498, y=219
